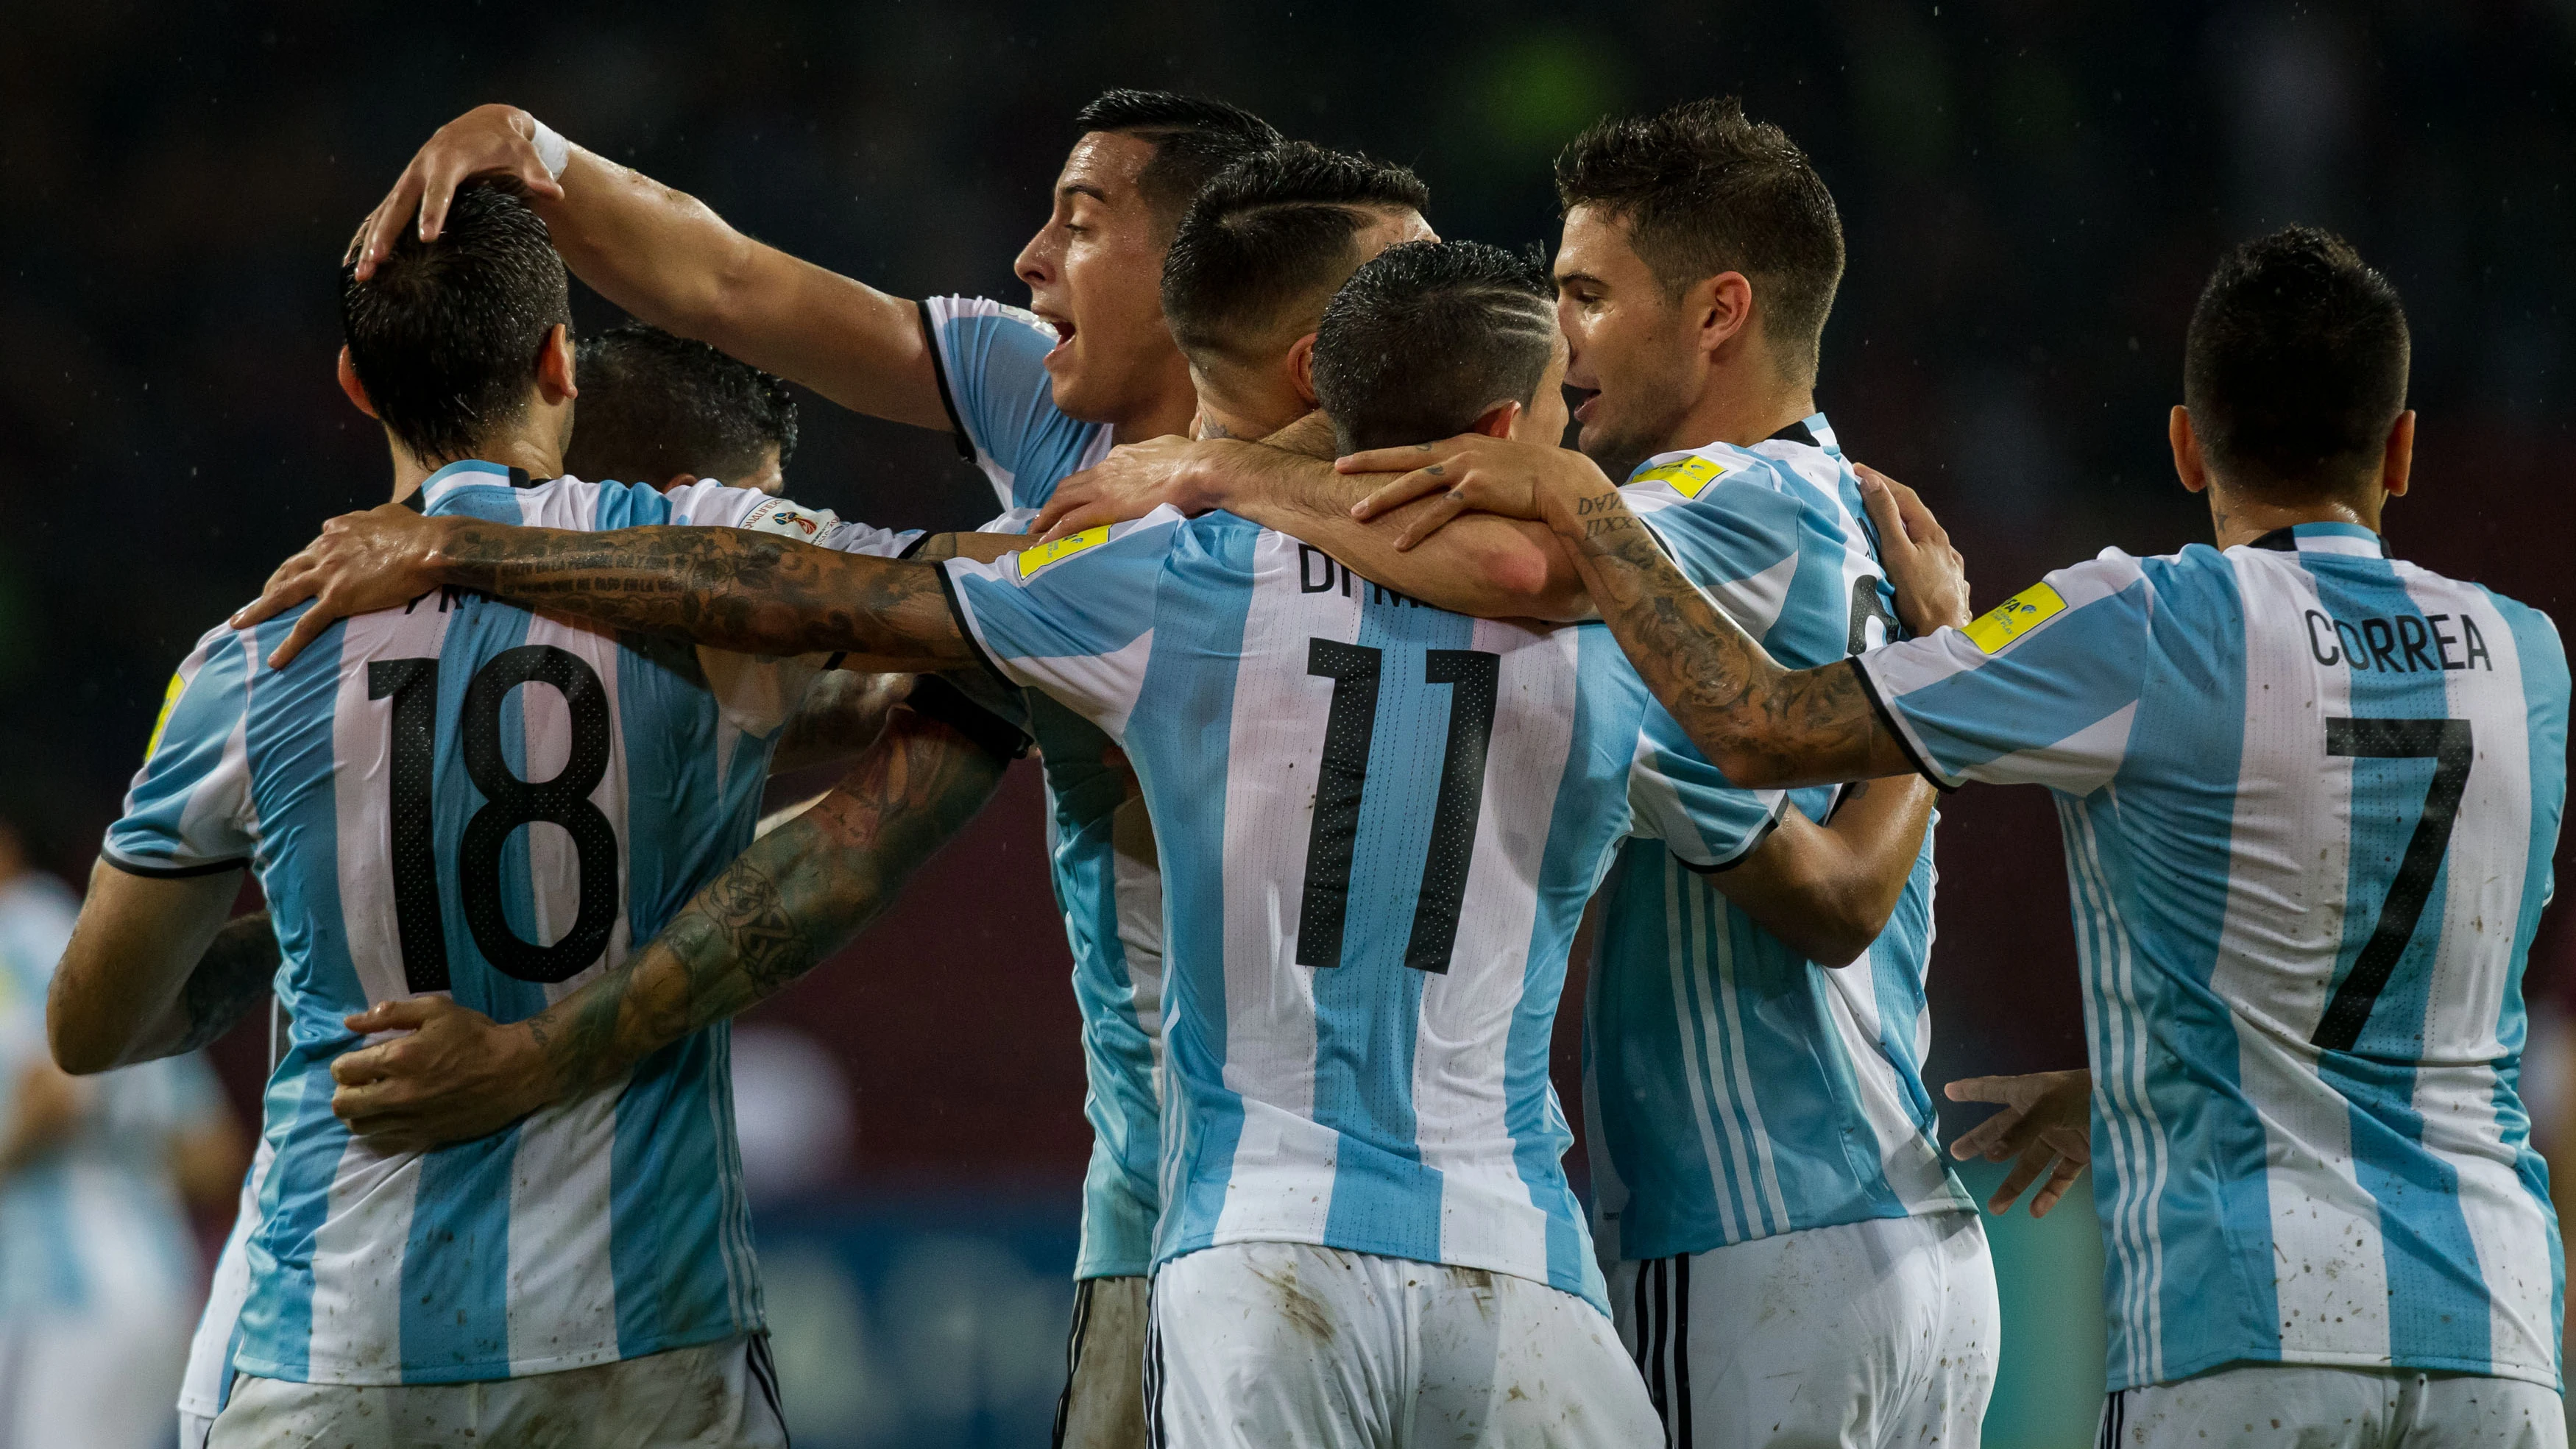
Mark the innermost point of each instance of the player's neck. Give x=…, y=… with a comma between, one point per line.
x=1169, y=409
x=2238, y=519
x=1742, y=405
x=528, y=454
x=1221, y=415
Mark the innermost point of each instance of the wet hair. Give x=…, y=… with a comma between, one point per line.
x=1193, y=137
x=1427, y=336
x=2295, y=365
x=1705, y=191
x=445, y=335
x=654, y=405
x=1274, y=233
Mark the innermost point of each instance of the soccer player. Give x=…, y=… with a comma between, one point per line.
x=98, y=1270
x=1760, y=1131
x=2310, y=795
x=590, y=1267
x=668, y=411
x=1031, y=396
x=1382, y=820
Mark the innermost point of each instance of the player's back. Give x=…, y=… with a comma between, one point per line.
x=1378, y=825
x=2310, y=796
x=461, y=797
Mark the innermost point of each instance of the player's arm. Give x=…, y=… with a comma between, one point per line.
x=1827, y=889
x=1763, y=725
x=667, y=258
x=793, y=899
x=730, y=588
x=139, y=979
x=1487, y=566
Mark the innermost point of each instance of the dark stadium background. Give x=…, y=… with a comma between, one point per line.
x=2032, y=194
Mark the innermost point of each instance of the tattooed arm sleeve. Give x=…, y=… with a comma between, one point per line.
x=1763, y=725
x=725, y=587
x=795, y=897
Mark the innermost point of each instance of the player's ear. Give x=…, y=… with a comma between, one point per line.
x=554, y=366
x=1498, y=419
x=354, y=389
x=1722, y=306
x=1301, y=368
x=2399, y=462
x=2188, y=464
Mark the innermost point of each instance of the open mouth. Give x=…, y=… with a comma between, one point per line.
x=1582, y=399
x=1063, y=330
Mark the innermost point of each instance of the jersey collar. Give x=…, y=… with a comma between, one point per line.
x=1811, y=431
x=2343, y=538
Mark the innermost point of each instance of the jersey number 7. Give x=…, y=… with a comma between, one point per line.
x=2447, y=743
x=510, y=803
x=1473, y=676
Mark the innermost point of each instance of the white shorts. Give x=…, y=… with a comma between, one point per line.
x=1866, y=1334
x=1262, y=1345
x=1104, y=1367
x=714, y=1396
x=91, y=1381
x=2303, y=1406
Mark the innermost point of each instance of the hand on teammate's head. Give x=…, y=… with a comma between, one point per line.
x=483, y=141
x=1929, y=575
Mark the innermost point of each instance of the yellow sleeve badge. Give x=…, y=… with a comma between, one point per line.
x=1034, y=559
x=2015, y=617
x=1690, y=477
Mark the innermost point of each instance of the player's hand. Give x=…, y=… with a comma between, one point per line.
x=2046, y=1122
x=1929, y=576
x=1134, y=480
x=457, y=1076
x=1472, y=472
x=385, y=556
x=484, y=139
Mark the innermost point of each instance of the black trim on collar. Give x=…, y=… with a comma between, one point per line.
x=939, y=375
x=1887, y=719
x=2280, y=540
x=1795, y=433
x=416, y=500
x=519, y=479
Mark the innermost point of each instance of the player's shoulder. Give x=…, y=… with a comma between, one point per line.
x=949, y=311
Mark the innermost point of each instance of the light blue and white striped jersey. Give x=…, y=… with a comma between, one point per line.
x=93, y=1225
x=1379, y=824
x=387, y=786
x=2309, y=796
x=1735, y=1089
x=1100, y=845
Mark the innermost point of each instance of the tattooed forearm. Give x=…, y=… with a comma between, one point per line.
x=794, y=898
x=1762, y=724
x=231, y=978
x=725, y=587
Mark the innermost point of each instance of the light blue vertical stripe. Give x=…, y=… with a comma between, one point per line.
x=289, y=741
x=1177, y=739
x=2542, y=659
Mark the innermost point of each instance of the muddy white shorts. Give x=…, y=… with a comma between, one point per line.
x=714, y=1396
x=1850, y=1337
x=2302, y=1406
x=1258, y=1345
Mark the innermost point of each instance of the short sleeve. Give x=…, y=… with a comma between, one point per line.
x=1678, y=797
x=992, y=374
x=1075, y=617
x=2041, y=691
x=1735, y=538
x=188, y=811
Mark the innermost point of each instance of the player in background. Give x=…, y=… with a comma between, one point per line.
x=2310, y=794
x=667, y=411
x=98, y=1266
x=1759, y=1128
x=659, y=410
x=1031, y=397
x=592, y=1265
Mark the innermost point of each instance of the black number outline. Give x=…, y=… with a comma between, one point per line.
x=2450, y=744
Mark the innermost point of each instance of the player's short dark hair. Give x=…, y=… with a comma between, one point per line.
x=445, y=335
x=1706, y=191
x=2295, y=365
x=654, y=405
x=1273, y=232
x=1193, y=137
x=1427, y=336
